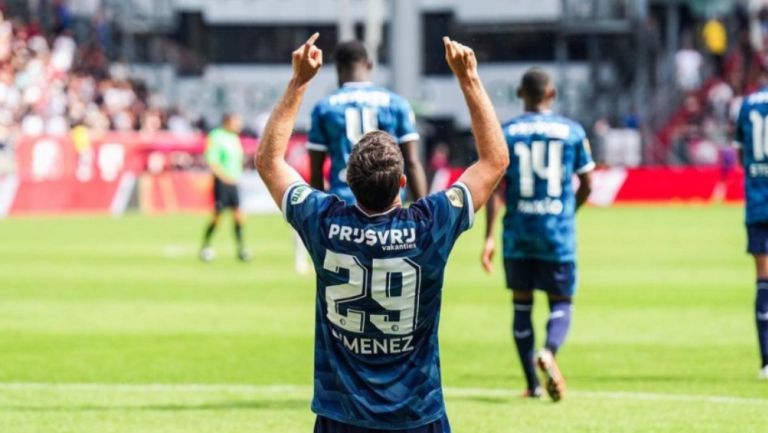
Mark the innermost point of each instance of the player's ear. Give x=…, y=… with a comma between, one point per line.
x=551, y=92
x=520, y=92
x=370, y=65
x=403, y=181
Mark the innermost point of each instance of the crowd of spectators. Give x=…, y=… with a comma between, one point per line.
x=719, y=62
x=50, y=84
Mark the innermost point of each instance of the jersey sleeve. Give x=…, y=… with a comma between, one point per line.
x=583, y=162
x=318, y=141
x=452, y=211
x=302, y=206
x=405, y=130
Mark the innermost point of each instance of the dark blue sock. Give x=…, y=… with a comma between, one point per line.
x=761, y=316
x=522, y=331
x=559, y=323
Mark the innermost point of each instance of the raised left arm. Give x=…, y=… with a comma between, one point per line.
x=270, y=158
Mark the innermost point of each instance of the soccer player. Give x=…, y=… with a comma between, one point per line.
x=340, y=120
x=224, y=155
x=539, y=225
x=380, y=266
x=752, y=138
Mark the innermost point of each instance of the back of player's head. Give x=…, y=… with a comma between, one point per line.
x=374, y=171
x=350, y=53
x=535, y=85
x=232, y=120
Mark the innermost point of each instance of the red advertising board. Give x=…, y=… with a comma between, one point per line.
x=82, y=173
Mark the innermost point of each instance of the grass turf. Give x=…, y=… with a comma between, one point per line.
x=663, y=338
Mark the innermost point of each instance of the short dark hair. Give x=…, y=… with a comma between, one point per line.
x=350, y=53
x=535, y=83
x=228, y=116
x=374, y=171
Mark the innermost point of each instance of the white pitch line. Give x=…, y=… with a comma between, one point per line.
x=124, y=388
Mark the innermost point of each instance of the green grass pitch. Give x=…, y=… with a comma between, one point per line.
x=112, y=325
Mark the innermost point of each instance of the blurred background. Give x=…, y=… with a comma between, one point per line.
x=104, y=103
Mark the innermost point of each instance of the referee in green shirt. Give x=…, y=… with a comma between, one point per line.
x=224, y=155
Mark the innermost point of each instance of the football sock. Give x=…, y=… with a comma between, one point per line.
x=559, y=323
x=761, y=315
x=522, y=331
x=208, y=233
x=239, y=235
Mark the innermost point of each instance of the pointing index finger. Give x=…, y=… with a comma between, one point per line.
x=312, y=39
x=449, y=48
x=310, y=42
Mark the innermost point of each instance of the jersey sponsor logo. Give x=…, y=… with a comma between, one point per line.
x=758, y=98
x=378, y=99
x=455, y=197
x=758, y=170
x=300, y=193
x=389, y=240
x=546, y=206
x=553, y=130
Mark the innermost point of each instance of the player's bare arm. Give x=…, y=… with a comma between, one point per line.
x=417, y=179
x=491, y=216
x=219, y=172
x=270, y=159
x=483, y=176
x=585, y=189
x=316, y=163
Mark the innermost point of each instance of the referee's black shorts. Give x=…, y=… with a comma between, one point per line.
x=225, y=196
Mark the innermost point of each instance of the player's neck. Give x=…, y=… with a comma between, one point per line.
x=538, y=108
x=370, y=213
x=357, y=75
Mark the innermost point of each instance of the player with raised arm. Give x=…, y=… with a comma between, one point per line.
x=539, y=225
x=752, y=139
x=379, y=266
x=340, y=120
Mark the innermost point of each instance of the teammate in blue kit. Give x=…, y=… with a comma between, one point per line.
x=379, y=266
x=340, y=120
x=752, y=138
x=539, y=225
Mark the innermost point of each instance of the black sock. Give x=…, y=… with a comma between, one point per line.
x=239, y=235
x=761, y=316
x=208, y=233
x=522, y=331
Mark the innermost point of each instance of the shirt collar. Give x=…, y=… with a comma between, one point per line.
x=357, y=84
x=374, y=215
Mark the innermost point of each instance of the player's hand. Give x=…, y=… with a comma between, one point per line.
x=487, y=258
x=460, y=58
x=307, y=60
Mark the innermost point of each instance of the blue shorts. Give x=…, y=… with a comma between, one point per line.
x=555, y=278
x=326, y=425
x=757, y=238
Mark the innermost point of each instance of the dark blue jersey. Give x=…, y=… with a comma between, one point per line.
x=379, y=288
x=546, y=151
x=752, y=135
x=340, y=120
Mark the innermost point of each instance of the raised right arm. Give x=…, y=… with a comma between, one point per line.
x=483, y=176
